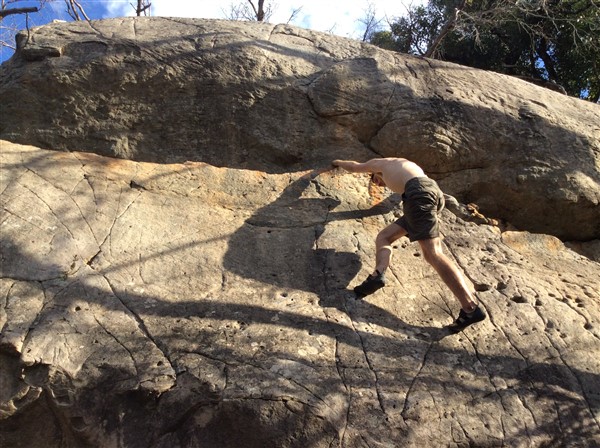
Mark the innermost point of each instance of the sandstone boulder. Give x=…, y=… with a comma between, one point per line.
x=185, y=305
x=278, y=99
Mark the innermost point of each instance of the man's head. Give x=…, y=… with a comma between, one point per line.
x=377, y=179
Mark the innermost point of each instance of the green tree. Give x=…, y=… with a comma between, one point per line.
x=556, y=41
x=412, y=33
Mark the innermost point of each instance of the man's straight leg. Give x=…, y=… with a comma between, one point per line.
x=470, y=312
x=448, y=271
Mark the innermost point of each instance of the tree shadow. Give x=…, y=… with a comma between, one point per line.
x=118, y=406
x=281, y=238
x=294, y=223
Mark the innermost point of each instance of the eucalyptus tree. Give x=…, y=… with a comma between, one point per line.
x=556, y=41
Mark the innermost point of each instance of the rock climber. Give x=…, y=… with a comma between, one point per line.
x=422, y=202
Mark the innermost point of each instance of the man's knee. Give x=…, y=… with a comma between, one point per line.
x=382, y=239
x=431, y=257
x=432, y=251
x=388, y=235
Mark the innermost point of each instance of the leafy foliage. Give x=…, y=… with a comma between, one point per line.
x=552, y=40
x=413, y=33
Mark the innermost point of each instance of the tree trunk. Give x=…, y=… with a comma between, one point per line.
x=260, y=11
x=445, y=30
x=542, y=51
x=141, y=7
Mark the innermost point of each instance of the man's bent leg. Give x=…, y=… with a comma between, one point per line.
x=449, y=272
x=383, y=246
x=383, y=255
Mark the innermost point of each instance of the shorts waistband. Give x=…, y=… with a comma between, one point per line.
x=417, y=184
x=419, y=180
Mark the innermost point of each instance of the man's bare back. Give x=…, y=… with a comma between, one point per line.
x=395, y=172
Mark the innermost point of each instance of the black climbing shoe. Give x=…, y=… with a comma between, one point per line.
x=465, y=319
x=370, y=285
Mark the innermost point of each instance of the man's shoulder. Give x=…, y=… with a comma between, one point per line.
x=388, y=162
x=390, y=159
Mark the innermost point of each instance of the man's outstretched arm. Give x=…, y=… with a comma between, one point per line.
x=370, y=166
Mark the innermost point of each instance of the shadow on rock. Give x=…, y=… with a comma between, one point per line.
x=279, y=246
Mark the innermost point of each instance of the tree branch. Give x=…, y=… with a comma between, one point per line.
x=72, y=7
x=445, y=30
x=7, y=12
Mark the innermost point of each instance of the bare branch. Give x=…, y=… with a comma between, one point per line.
x=7, y=12
x=295, y=12
x=242, y=11
x=448, y=26
x=258, y=13
x=141, y=8
x=74, y=9
x=370, y=21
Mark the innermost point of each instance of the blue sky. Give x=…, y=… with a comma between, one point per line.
x=55, y=10
x=340, y=17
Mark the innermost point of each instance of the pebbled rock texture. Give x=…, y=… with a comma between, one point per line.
x=279, y=99
x=187, y=305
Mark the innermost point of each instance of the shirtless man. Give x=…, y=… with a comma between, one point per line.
x=423, y=200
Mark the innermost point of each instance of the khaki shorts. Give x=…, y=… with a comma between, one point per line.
x=423, y=200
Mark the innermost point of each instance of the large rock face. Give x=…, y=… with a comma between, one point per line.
x=199, y=295
x=278, y=99
x=187, y=305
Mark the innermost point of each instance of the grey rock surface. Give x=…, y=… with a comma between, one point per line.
x=186, y=305
x=276, y=98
